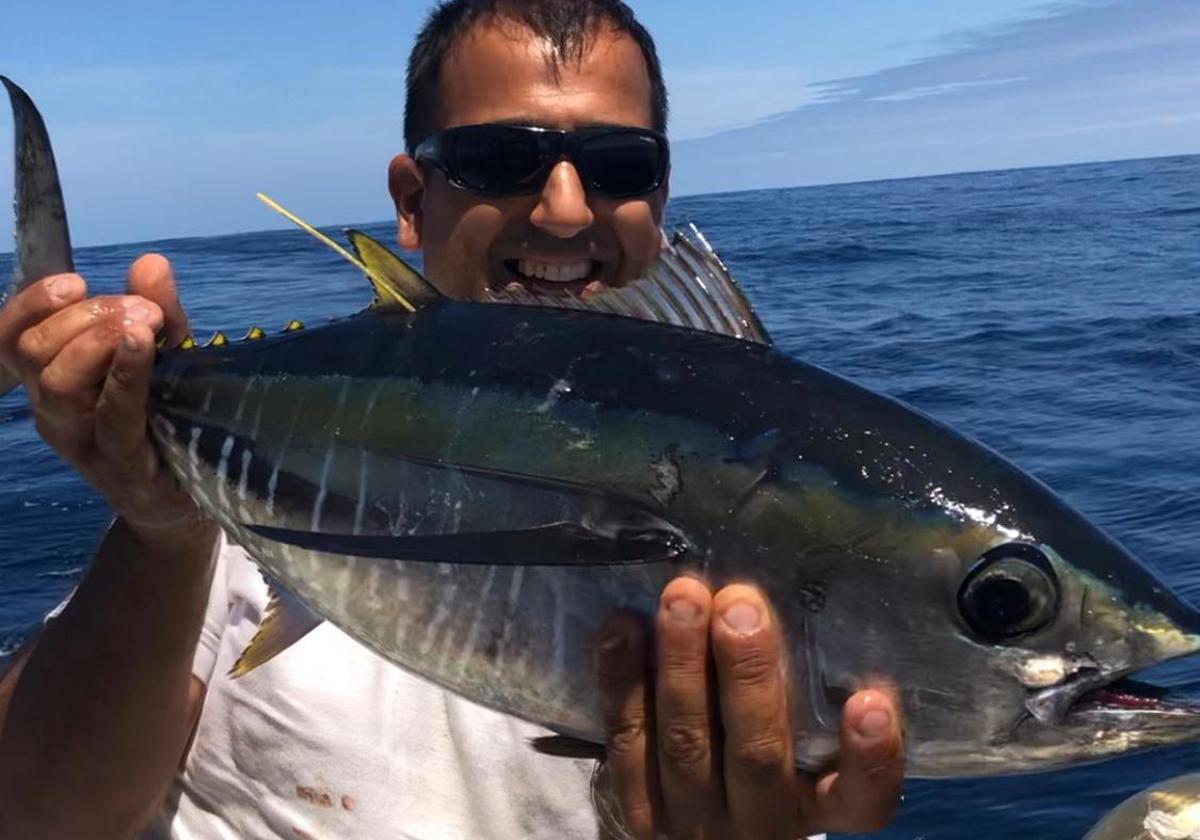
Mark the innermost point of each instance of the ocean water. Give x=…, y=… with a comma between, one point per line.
x=1052, y=313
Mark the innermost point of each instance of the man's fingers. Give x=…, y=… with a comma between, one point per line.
x=81, y=365
x=760, y=777
x=863, y=791
x=121, y=409
x=628, y=722
x=152, y=277
x=32, y=305
x=43, y=341
x=685, y=710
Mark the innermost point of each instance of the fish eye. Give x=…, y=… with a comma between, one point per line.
x=1011, y=591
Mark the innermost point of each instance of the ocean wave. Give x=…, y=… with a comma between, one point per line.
x=1175, y=211
x=851, y=252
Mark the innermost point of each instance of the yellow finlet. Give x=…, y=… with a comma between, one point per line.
x=377, y=282
x=293, y=325
x=254, y=334
x=218, y=340
x=188, y=343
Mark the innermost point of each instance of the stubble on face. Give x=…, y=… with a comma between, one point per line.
x=500, y=72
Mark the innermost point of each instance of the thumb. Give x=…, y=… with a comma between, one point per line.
x=152, y=277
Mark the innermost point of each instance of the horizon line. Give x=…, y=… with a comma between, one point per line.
x=801, y=186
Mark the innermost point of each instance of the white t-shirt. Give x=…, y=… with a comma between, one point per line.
x=328, y=740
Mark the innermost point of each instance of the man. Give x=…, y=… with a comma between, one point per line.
x=122, y=716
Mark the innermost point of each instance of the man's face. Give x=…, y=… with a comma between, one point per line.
x=501, y=73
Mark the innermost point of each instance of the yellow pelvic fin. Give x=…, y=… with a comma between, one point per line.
x=285, y=621
x=401, y=281
x=377, y=282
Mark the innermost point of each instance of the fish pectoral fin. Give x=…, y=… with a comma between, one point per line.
x=688, y=286
x=394, y=279
x=286, y=621
x=565, y=746
x=555, y=544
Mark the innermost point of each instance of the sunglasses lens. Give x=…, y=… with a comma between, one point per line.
x=498, y=160
x=622, y=163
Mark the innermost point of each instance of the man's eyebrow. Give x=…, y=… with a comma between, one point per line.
x=523, y=120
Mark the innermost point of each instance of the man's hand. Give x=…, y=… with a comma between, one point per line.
x=707, y=752
x=86, y=364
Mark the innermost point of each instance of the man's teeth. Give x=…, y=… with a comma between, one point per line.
x=555, y=272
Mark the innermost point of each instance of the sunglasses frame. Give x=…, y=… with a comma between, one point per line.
x=553, y=146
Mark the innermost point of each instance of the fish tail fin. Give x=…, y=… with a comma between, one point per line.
x=42, y=242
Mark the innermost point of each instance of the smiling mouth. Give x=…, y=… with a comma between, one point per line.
x=577, y=277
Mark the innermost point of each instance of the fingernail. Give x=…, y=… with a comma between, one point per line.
x=683, y=610
x=62, y=286
x=138, y=312
x=130, y=342
x=874, y=723
x=742, y=618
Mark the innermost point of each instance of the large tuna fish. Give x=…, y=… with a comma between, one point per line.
x=472, y=490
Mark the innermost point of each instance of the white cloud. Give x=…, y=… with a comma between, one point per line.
x=943, y=88
x=709, y=99
x=1088, y=81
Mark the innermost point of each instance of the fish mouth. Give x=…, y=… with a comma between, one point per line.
x=1099, y=698
x=1126, y=697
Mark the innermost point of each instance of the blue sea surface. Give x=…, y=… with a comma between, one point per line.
x=1052, y=313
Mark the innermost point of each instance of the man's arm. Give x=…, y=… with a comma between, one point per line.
x=98, y=715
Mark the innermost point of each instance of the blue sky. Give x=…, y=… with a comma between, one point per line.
x=165, y=124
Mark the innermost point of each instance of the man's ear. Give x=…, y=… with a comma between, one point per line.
x=406, y=183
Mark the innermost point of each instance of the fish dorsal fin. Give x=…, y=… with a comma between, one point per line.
x=687, y=286
x=286, y=621
x=394, y=279
x=376, y=282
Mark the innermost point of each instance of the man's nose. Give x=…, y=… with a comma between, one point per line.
x=562, y=209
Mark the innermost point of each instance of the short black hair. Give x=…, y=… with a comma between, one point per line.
x=569, y=26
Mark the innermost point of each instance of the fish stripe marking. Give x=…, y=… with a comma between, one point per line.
x=272, y=485
x=244, y=471
x=322, y=490
x=222, y=471
x=330, y=451
x=254, y=475
x=467, y=654
x=363, y=463
x=361, y=503
x=510, y=614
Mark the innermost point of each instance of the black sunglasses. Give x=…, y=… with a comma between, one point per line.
x=502, y=160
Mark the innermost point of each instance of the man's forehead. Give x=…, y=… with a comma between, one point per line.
x=502, y=71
